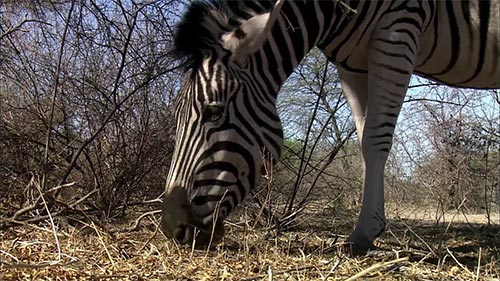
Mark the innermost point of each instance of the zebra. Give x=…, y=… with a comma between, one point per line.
x=237, y=54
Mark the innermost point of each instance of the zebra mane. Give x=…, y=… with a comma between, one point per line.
x=200, y=30
x=203, y=24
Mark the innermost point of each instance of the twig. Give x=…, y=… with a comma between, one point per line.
x=258, y=277
x=37, y=204
x=354, y=11
x=33, y=220
x=420, y=238
x=50, y=219
x=422, y=259
x=150, y=238
x=26, y=209
x=303, y=160
x=408, y=100
x=235, y=224
x=55, y=188
x=12, y=221
x=33, y=266
x=103, y=244
x=18, y=264
x=17, y=27
x=138, y=220
x=145, y=202
x=459, y=264
x=330, y=159
x=423, y=85
x=54, y=97
x=83, y=198
x=396, y=238
x=455, y=214
x=268, y=167
x=334, y=267
x=375, y=267
x=215, y=217
x=478, y=264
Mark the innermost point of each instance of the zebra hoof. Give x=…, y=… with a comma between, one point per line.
x=353, y=249
x=358, y=247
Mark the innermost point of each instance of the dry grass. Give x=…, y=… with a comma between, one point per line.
x=113, y=252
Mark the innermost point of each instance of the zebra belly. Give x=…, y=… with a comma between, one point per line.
x=462, y=52
x=465, y=69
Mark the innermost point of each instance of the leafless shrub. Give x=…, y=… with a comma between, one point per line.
x=86, y=92
x=446, y=153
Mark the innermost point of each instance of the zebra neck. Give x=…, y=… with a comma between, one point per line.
x=301, y=26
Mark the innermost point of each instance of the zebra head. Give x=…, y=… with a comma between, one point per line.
x=226, y=116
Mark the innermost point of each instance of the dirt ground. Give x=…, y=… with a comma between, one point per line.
x=411, y=249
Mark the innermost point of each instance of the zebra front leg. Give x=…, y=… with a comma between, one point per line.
x=376, y=141
x=389, y=73
x=371, y=221
x=382, y=110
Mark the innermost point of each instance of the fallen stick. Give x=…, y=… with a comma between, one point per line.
x=375, y=267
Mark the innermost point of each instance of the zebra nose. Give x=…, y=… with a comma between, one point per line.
x=176, y=218
x=183, y=234
x=178, y=221
x=201, y=237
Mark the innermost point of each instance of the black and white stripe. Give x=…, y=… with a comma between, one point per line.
x=238, y=54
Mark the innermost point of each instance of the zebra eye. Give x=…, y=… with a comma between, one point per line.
x=213, y=112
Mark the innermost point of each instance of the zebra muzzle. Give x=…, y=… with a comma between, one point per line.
x=179, y=223
x=209, y=235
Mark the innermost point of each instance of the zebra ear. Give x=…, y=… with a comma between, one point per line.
x=251, y=34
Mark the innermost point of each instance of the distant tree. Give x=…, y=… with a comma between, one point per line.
x=455, y=148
